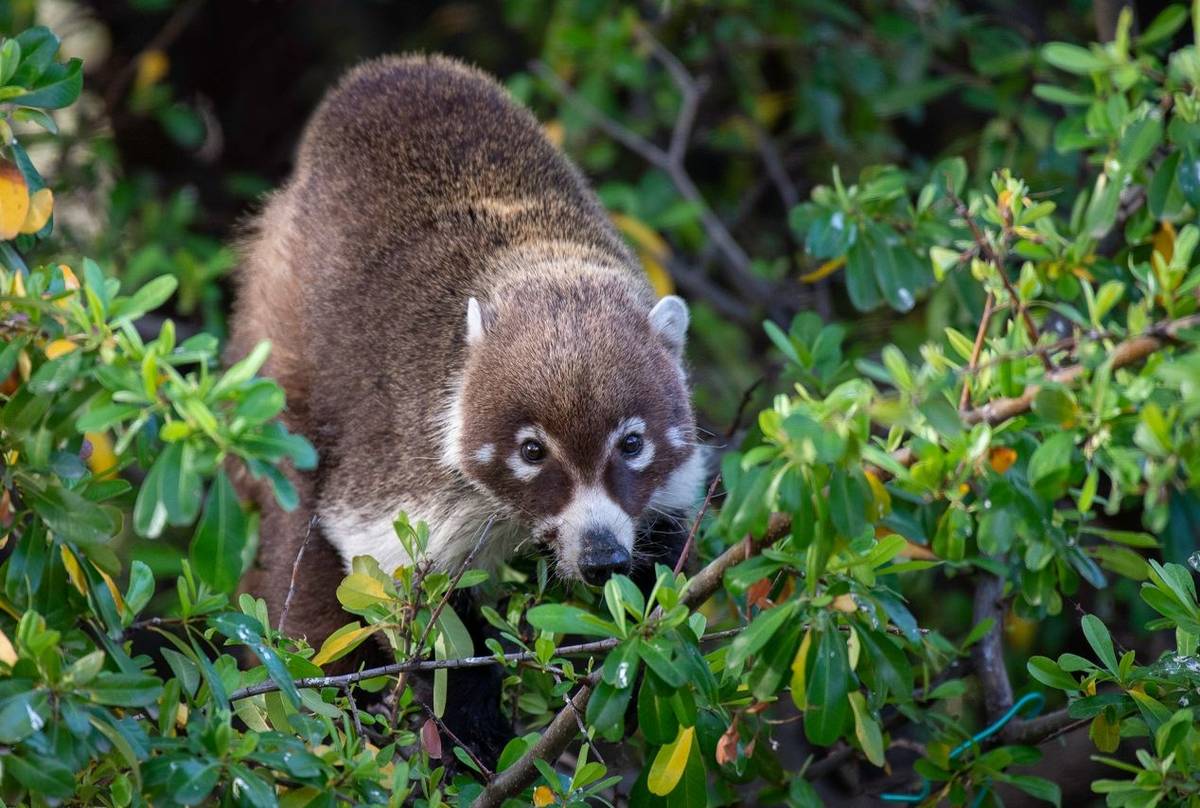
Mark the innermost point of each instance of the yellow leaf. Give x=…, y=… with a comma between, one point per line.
x=103, y=460
x=342, y=641
x=8, y=654
x=358, y=591
x=152, y=67
x=825, y=270
x=41, y=205
x=554, y=132
x=644, y=237
x=881, y=500
x=69, y=279
x=60, y=347
x=14, y=201
x=18, y=285
x=669, y=763
x=543, y=796
x=1104, y=733
x=1004, y=199
x=74, y=572
x=1164, y=241
x=112, y=590
x=1002, y=458
x=799, y=673
x=769, y=106
x=1020, y=632
x=660, y=279
x=844, y=603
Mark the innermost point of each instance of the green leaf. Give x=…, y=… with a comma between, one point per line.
x=148, y=298
x=867, y=730
x=861, y=283
x=561, y=619
x=124, y=689
x=59, y=88
x=171, y=492
x=828, y=685
x=1047, y=671
x=248, y=631
x=606, y=710
x=758, y=633
x=220, y=538
x=1164, y=26
x=46, y=777
x=656, y=719
x=1049, y=468
x=847, y=503
x=1100, y=640
x=1072, y=58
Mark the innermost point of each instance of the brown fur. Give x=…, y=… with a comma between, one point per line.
x=419, y=183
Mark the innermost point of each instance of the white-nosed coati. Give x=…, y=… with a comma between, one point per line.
x=463, y=335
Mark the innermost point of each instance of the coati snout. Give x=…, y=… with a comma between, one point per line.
x=572, y=413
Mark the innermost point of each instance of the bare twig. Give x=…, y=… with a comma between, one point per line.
x=747, y=395
x=287, y=601
x=671, y=160
x=348, y=692
x=426, y=665
x=984, y=322
x=175, y=25
x=462, y=569
x=487, y=773
x=691, y=537
x=988, y=252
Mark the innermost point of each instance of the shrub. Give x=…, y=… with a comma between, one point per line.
x=1011, y=456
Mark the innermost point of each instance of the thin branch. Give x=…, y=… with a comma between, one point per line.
x=287, y=601
x=348, y=692
x=671, y=160
x=988, y=251
x=426, y=665
x=691, y=537
x=984, y=322
x=487, y=773
x=462, y=569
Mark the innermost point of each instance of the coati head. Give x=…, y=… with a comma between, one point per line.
x=574, y=415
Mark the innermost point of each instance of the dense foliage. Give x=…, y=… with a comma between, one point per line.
x=1021, y=424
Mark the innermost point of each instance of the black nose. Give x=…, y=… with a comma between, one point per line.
x=602, y=557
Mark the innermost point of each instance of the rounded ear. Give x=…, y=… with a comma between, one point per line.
x=669, y=317
x=477, y=321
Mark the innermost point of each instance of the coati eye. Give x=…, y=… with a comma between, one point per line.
x=631, y=444
x=533, y=451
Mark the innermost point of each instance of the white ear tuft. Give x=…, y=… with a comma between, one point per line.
x=669, y=317
x=474, y=322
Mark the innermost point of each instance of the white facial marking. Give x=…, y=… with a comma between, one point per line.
x=681, y=491
x=642, y=459
x=522, y=470
x=676, y=437
x=474, y=322
x=449, y=426
x=590, y=507
x=485, y=453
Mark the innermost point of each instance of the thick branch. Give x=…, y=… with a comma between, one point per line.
x=1129, y=352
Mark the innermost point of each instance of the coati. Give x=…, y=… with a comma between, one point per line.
x=463, y=335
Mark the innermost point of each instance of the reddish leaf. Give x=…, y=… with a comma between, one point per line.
x=431, y=739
